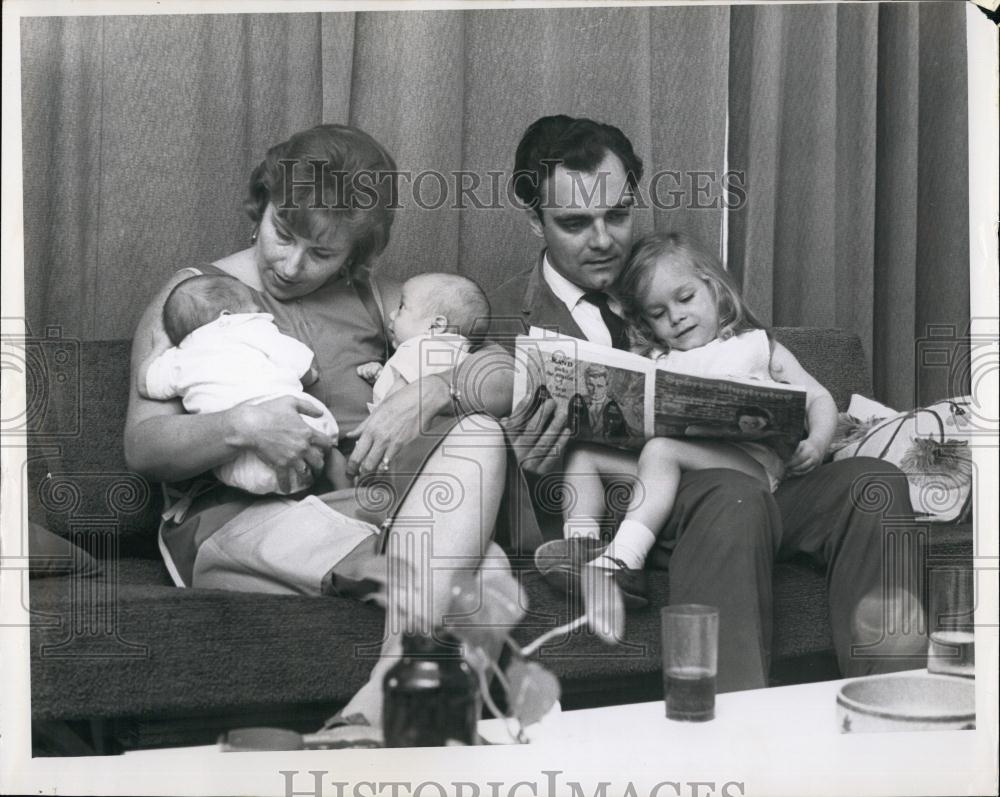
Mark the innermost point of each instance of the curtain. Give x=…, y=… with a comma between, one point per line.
x=139, y=134
x=850, y=124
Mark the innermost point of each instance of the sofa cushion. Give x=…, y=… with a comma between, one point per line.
x=52, y=555
x=931, y=445
x=116, y=646
x=192, y=651
x=834, y=357
x=78, y=481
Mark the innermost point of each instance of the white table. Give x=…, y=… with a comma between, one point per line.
x=783, y=740
x=789, y=713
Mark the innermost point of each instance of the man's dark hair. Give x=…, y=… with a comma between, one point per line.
x=577, y=144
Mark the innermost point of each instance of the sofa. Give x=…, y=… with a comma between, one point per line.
x=121, y=659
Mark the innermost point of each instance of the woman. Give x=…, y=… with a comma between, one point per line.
x=321, y=220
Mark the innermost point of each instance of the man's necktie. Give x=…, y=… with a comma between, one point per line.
x=615, y=325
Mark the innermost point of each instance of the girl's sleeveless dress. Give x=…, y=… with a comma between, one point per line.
x=743, y=356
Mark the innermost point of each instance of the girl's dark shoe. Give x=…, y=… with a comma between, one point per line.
x=561, y=561
x=632, y=584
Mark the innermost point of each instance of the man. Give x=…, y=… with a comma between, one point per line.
x=578, y=179
x=595, y=379
x=605, y=417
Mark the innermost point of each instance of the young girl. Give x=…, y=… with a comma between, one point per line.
x=685, y=311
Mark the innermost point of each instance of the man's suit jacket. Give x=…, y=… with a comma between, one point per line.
x=526, y=300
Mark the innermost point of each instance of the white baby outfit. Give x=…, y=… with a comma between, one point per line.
x=421, y=355
x=238, y=357
x=743, y=356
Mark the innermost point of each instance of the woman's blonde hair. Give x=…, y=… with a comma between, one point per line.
x=633, y=283
x=354, y=185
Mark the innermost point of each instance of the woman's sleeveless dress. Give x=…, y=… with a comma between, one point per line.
x=217, y=536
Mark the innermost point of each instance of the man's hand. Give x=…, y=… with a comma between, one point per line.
x=370, y=371
x=806, y=457
x=538, y=434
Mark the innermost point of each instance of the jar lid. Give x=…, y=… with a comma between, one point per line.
x=438, y=644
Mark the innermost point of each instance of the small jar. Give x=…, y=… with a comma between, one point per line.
x=431, y=695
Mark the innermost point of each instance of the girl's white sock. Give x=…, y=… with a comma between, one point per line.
x=632, y=542
x=581, y=527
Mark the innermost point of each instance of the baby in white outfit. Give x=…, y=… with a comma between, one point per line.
x=225, y=352
x=439, y=318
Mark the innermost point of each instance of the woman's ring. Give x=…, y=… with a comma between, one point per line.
x=385, y=463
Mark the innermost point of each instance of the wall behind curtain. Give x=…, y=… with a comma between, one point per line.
x=139, y=134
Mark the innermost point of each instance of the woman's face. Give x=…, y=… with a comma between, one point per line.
x=291, y=266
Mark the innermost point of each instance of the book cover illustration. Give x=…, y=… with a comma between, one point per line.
x=722, y=409
x=621, y=399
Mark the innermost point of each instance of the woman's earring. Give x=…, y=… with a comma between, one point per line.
x=253, y=235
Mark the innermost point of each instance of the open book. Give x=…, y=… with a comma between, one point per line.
x=622, y=399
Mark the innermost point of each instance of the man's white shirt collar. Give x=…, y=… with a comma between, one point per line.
x=568, y=292
x=565, y=291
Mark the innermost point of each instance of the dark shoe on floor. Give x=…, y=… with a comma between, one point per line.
x=559, y=561
x=631, y=583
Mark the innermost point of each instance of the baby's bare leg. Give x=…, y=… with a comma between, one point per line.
x=588, y=467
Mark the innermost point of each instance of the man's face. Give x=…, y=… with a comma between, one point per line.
x=597, y=387
x=752, y=423
x=587, y=223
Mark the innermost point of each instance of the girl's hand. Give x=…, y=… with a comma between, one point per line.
x=275, y=432
x=806, y=457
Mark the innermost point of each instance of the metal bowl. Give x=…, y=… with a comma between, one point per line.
x=907, y=703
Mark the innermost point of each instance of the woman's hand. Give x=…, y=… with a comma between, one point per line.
x=806, y=457
x=275, y=432
x=392, y=424
x=538, y=434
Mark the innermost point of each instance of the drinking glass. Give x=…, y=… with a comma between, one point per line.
x=950, y=622
x=690, y=658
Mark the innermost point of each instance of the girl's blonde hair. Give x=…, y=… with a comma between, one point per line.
x=633, y=283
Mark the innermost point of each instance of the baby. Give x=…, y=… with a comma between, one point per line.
x=225, y=352
x=439, y=318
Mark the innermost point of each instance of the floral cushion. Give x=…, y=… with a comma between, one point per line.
x=929, y=444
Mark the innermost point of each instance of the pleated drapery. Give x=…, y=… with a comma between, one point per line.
x=846, y=122
x=850, y=122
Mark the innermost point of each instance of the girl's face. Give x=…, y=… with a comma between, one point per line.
x=291, y=266
x=679, y=306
